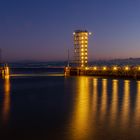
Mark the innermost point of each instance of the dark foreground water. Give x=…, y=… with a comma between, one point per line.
x=54, y=107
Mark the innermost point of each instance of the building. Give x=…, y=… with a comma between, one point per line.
x=81, y=47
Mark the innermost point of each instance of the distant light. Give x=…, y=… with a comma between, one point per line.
x=95, y=68
x=86, y=68
x=126, y=68
x=104, y=68
x=114, y=68
x=138, y=68
x=90, y=33
x=73, y=33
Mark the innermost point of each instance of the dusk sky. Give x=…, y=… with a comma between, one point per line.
x=42, y=29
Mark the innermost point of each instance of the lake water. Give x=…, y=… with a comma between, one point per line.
x=54, y=107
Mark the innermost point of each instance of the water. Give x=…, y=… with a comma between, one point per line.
x=70, y=108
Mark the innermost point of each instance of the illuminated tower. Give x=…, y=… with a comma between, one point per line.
x=81, y=48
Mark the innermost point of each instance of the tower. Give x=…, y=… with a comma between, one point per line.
x=81, y=47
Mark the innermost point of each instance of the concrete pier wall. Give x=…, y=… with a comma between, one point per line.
x=130, y=72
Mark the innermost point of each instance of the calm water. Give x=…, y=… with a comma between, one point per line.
x=74, y=108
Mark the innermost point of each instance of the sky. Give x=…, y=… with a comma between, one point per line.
x=41, y=30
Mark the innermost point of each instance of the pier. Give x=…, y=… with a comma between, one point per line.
x=108, y=71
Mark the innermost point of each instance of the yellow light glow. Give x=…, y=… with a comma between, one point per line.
x=82, y=65
x=85, y=57
x=82, y=57
x=73, y=33
x=137, y=106
x=6, y=72
x=82, y=53
x=95, y=68
x=85, y=53
x=114, y=103
x=103, y=108
x=82, y=50
x=115, y=68
x=124, y=116
x=80, y=119
x=104, y=68
x=126, y=68
x=86, y=68
x=6, y=102
x=82, y=61
x=138, y=68
x=85, y=61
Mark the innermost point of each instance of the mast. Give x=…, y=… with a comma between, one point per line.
x=68, y=58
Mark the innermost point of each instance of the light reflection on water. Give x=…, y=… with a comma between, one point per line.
x=103, y=107
x=137, y=107
x=6, y=100
x=114, y=103
x=93, y=108
x=102, y=118
x=125, y=105
x=81, y=118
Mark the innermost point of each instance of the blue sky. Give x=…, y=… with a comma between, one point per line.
x=42, y=29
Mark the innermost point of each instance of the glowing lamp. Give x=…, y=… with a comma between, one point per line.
x=86, y=68
x=94, y=68
x=104, y=68
x=90, y=33
x=126, y=68
x=114, y=68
